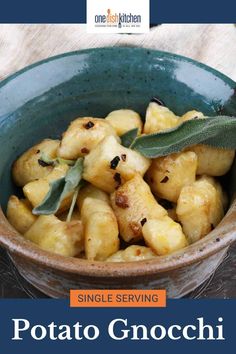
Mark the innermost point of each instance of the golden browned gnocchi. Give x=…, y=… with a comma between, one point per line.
x=124, y=120
x=110, y=164
x=100, y=229
x=83, y=135
x=90, y=191
x=213, y=161
x=200, y=207
x=164, y=235
x=52, y=234
x=92, y=196
x=158, y=118
x=131, y=254
x=28, y=167
x=19, y=214
x=168, y=175
x=133, y=204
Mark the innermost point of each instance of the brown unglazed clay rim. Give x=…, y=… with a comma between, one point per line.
x=221, y=237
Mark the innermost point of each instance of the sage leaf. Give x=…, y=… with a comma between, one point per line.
x=59, y=189
x=219, y=132
x=74, y=175
x=52, y=200
x=128, y=138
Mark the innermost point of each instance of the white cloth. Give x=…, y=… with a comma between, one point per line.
x=213, y=44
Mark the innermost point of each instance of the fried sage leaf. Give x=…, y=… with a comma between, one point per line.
x=128, y=138
x=219, y=131
x=59, y=189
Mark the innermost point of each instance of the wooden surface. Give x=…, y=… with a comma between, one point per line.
x=215, y=45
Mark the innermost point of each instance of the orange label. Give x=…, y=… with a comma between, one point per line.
x=118, y=298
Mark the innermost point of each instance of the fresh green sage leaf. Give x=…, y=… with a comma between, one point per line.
x=81, y=184
x=52, y=200
x=219, y=132
x=74, y=174
x=128, y=138
x=59, y=189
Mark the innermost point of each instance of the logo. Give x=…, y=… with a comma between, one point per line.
x=117, y=16
x=127, y=20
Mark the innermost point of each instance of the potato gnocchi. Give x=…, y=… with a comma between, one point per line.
x=128, y=207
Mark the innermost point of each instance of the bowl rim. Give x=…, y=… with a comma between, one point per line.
x=221, y=237
x=123, y=48
x=218, y=239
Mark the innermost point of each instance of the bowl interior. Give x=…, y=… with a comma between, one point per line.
x=41, y=100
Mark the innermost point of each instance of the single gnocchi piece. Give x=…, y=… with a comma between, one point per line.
x=159, y=118
x=19, y=214
x=90, y=191
x=124, y=120
x=200, y=207
x=111, y=164
x=164, y=236
x=168, y=175
x=213, y=161
x=134, y=204
x=191, y=115
x=132, y=254
x=100, y=229
x=28, y=168
x=83, y=135
x=37, y=190
x=54, y=235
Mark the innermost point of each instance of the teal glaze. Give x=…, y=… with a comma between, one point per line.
x=40, y=100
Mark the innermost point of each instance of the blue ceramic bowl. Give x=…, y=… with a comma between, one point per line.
x=39, y=101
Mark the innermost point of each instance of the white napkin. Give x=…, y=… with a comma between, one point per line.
x=21, y=45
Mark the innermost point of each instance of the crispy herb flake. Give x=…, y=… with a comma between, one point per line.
x=165, y=179
x=123, y=157
x=45, y=164
x=114, y=162
x=84, y=150
x=143, y=221
x=89, y=125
